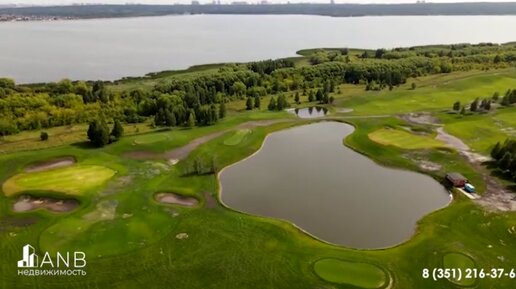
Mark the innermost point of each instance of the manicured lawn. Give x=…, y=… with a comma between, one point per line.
x=130, y=239
x=237, y=137
x=433, y=93
x=75, y=180
x=462, y=262
x=481, y=132
x=361, y=275
x=404, y=139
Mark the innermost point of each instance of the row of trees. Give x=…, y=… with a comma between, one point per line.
x=504, y=155
x=486, y=103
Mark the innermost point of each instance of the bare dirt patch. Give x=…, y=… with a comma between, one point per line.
x=51, y=164
x=171, y=198
x=420, y=118
x=26, y=203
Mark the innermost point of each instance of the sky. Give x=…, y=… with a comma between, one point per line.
x=60, y=2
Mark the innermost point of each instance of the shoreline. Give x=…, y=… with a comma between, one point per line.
x=416, y=225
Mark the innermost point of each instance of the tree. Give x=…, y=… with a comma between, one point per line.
x=191, y=119
x=487, y=105
x=505, y=161
x=456, y=106
x=474, y=105
x=98, y=133
x=296, y=97
x=282, y=102
x=496, y=96
x=118, y=130
x=43, y=136
x=379, y=53
x=222, y=110
x=495, y=152
x=311, y=96
x=257, y=102
x=170, y=118
x=413, y=86
x=319, y=95
x=331, y=100
x=249, y=104
x=272, y=104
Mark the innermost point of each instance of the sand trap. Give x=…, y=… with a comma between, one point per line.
x=27, y=203
x=345, y=110
x=52, y=164
x=171, y=198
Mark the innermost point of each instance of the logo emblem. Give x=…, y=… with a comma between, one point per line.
x=30, y=259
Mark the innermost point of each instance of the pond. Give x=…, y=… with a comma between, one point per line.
x=309, y=112
x=307, y=176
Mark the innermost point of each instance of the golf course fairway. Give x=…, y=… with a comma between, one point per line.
x=357, y=274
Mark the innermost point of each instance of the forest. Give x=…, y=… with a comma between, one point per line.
x=199, y=99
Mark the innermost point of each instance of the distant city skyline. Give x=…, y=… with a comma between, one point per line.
x=68, y=2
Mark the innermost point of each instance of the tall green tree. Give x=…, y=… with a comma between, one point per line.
x=118, y=130
x=191, y=119
x=249, y=104
x=257, y=102
x=222, y=110
x=98, y=133
x=456, y=106
x=272, y=104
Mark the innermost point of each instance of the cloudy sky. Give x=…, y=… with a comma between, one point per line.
x=53, y=2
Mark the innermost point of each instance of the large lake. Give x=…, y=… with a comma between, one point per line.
x=307, y=176
x=113, y=48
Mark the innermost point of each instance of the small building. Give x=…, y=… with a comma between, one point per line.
x=456, y=179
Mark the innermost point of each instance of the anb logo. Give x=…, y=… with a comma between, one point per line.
x=68, y=263
x=30, y=259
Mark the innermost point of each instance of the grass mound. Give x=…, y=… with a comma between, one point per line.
x=404, y=139
x=361, y=275
x=74, y=180
x=458, y=260
x=237, y=137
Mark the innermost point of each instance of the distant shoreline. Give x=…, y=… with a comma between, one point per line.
x=51, y=13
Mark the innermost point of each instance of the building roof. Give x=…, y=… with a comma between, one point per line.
x=455, y=177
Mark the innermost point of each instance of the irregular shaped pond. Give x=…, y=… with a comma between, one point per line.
x=307, y=176
x=309, y=112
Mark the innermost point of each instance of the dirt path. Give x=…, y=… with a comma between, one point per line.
x=181, y=153
x=496, y=197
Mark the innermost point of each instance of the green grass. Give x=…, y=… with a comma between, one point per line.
x=357, y=274
x=433, y=93
x=404, y=139
x=482, y=131
x=237, y=137
x=462, y=262
x=130, y=239
x=75, y=180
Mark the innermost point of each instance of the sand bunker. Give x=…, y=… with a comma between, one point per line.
x=27, y=203
x=52, y=164
x=171, y=198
